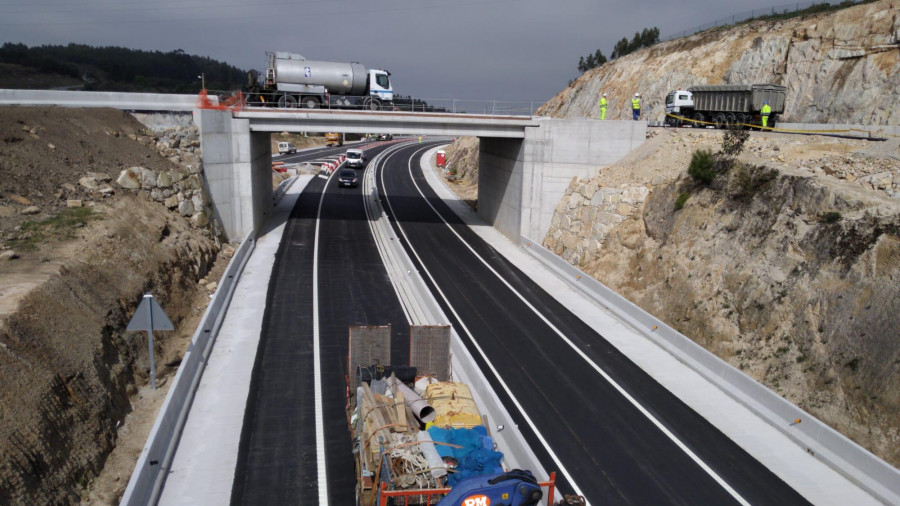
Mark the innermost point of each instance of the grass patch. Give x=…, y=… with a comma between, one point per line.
x=701, y=167
x=681, y=200
x=830, y=217
x=61, y=226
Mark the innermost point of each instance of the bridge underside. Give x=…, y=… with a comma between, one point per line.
x=526, y=164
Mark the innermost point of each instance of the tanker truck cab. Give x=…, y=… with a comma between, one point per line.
x=379, y=82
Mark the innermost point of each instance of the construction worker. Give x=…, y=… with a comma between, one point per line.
x=636, y=106
x=603, y=106
x=765, y=111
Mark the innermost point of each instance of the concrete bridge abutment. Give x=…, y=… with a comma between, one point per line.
x=237, y=163
x=525, y=167
x=521, y=181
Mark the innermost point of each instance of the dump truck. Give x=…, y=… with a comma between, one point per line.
x=334, y=139
x=724, y=105
x=419, y=437
x=290, y=80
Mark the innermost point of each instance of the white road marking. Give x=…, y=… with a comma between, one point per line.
x=317, y=367
x=465, y=329
x=587, y=359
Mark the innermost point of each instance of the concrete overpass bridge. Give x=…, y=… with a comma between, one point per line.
x=526, y=163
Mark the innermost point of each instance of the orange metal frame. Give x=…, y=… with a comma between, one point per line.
x=384, y=494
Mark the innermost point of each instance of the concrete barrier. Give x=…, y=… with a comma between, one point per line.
x=423, y=309
x=116, y=100
x=840, y=453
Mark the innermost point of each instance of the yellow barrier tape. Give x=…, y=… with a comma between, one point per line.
x=786, y=130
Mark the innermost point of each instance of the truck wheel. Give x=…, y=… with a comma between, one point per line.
x=719, y=120
x=372, y=104
x=310, y=103
x=287, y=101
x=699, y=117
x=730, y=120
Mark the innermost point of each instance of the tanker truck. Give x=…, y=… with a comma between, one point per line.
x=724, y=105
x=290, y=80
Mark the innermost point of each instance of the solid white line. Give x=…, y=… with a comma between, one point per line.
x=465, y=329
x=587, y=359
x=317, y=368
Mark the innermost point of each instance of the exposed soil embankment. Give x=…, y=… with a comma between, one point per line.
x=79, y=253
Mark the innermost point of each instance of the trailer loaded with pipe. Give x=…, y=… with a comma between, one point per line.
x=419, y=437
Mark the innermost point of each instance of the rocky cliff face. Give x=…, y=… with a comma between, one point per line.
x=842, y=67
x=787, y=265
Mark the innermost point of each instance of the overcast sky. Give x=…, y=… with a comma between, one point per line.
x=509, y=50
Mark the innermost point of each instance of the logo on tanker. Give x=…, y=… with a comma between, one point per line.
x=476, y=500
x=307, y=71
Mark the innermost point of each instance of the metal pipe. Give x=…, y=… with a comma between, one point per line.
x=419, y=407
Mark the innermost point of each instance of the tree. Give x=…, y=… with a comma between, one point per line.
x=592, y=60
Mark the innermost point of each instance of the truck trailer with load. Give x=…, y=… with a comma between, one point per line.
x=724, y=105
x=419, y=437
x=290, y=80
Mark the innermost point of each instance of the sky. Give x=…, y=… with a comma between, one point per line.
x=509, y=51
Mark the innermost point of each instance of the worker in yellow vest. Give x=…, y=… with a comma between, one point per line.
x=603, y=106
x=636, y=106
x=765, y=111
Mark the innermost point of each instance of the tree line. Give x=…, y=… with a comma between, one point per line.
x=645, y=38
x=121, y=69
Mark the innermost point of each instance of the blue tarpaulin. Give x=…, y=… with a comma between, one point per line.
x=477, y=455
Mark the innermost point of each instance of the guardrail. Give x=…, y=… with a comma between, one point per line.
x=152, y=466
x=149, y=474
x=116, y=100
x=834, y=449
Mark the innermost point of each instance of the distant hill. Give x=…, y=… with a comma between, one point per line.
x=82, y=67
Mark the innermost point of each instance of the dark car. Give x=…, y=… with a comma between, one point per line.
x=347, y=177
x=385, y=137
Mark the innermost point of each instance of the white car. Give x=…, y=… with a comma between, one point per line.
x=356, y=158
x=286, y=147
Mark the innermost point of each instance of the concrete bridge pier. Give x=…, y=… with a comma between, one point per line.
x=237, y=163
x=521, y=181
x=525, y=164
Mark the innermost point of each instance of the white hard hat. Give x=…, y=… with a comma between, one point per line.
x=604, y=94
x=637, y=94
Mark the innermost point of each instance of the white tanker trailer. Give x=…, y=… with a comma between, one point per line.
x=290, y=80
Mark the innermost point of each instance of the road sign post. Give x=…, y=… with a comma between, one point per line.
x=150, y=316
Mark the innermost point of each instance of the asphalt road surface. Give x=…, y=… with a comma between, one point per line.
x=655, y=450
x=277, y=457
x=617, y=434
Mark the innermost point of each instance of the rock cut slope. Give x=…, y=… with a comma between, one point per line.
x=839, y=67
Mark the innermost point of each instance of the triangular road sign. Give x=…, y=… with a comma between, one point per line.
x=149, y=316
